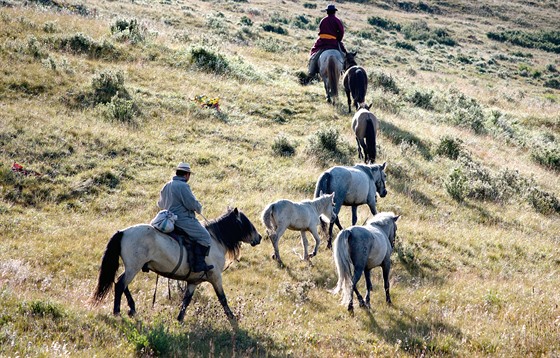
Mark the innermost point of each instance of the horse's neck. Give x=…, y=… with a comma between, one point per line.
x=320, y=205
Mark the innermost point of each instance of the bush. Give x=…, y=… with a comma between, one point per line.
x=449, y=147
x=282, y=147
x=542, y=201
x=326, y=148
x=120, y=109
x=386, y=82
x=129, y=31
x=246, y=21
x=83, y=44
x=384, y=23
x=309, y=5
x=545, y=40
x=547, y=155
x=456, y=185
x=419, y=31
x=274, y=28
x=405, y=45
x=422, y=100
x=209, y=61
x=106, y=85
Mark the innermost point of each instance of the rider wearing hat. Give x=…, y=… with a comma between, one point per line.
x=331, y=32
x=177, y=197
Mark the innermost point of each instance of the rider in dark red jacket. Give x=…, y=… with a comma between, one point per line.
x=331, y=32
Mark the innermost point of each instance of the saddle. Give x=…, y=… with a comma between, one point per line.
x=184, y=241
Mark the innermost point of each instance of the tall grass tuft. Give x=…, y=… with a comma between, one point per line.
x=326, y=147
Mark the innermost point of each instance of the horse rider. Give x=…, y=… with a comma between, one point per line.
x=331, y=32
x=177, y=197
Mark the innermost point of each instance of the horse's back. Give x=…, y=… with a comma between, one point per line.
x=372, y=241
x=360, y=119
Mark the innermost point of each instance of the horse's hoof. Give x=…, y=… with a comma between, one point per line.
x=131, y=313
x=117, y=313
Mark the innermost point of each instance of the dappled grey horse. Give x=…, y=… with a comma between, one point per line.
x=355, y=82
x=353, y=186
x=302, y=216
x=143, y=246
x=331, y=66
x=364, y=248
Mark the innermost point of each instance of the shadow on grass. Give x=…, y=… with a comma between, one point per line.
x=199, y=340
x=414, y=335
x=398, y=136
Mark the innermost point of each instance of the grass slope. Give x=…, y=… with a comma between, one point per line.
x=101, y=99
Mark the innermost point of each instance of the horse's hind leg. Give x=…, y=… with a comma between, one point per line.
x=360, y=155
x=358, y=270
x=354, y=214
x=317, y=240
x=369, y=286
x=275, y=238
x=386, y=267
x=189, y=292
x=122, y=287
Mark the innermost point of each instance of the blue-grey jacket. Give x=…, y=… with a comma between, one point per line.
x=177, y=197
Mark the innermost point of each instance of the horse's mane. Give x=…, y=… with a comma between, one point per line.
x=382, y=218
x=229, y=232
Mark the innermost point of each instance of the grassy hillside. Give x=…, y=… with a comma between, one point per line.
x=102, y=99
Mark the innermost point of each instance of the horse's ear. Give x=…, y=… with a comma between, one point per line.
x=320, y=193
x=383, y=166
x=236, y=212
x=370, y=105
x=355, y=53
x=396, y=218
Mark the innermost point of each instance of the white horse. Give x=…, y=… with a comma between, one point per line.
x=364, y=248
x=353, y=186
x=331, y=66
x=303, y=216
x=143, y=247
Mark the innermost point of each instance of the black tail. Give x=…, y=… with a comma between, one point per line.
x=334, y=76
x=359, y=87
x=323, y=185
x=370, y=141
x=109, y=267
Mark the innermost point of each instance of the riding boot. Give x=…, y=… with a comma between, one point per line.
x=200, y=252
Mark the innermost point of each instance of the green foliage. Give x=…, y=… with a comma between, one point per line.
x=386, y=82
x=42, y=309
x=83, y=44
x=384, y=23
x=464, y=111
x=209, y=61
x=544, y=40
x=120, y=109
x=308, y=5
x=131, y=31
x=108, y=84
x=274, y=28
x=449, y=147
x=246, y=21
x=326, y=147
x=282, y=147
x=543, y=202
x=456, y=185
x=547, y=154
x=419, y=31
x=422, y=99
x=405, y=45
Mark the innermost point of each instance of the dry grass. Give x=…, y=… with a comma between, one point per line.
x=474, y=278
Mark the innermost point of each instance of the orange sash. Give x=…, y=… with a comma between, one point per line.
x=327, y=36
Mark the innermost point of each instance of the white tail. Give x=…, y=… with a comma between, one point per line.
x=344, y=266
x=268, y=220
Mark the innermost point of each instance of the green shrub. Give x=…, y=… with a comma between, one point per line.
x=308, y=5
x=545, y=40
x=384, y=23
x=274, y=28
x=106, y=84
x=386, y=82
x=129, y=31
x=547, y=155
x=120, y=109
x=209, y=61
x=449, y=147
x=542, y=201
x=422, y=99
x=326, y=147
x=282, y=147
x=405, y=45
x=456, y=185
x=419, y=31
x=246, y=21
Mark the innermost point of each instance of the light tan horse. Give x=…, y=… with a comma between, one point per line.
x=366, y=126
x=331, y=66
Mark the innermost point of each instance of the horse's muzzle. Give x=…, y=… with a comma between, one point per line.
x=383, y=193
x=256, y=241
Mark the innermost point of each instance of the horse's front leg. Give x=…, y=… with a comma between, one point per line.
x=217, y=284
x=317, y=240
x=305, y=245
x=327, y=91
x=386, y=267
x=275, y=239
x=358, y=270
x=189, y=292
x=372, y=205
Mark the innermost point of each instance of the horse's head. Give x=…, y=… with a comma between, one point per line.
x=380, y=178
x=328, y=206
x=350, y=60
x=393, y=233
x=251, y=235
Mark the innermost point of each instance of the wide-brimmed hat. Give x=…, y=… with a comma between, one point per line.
x=184, y=167
x=331, y=7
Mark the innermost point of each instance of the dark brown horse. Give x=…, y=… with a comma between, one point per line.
x=355, y=82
